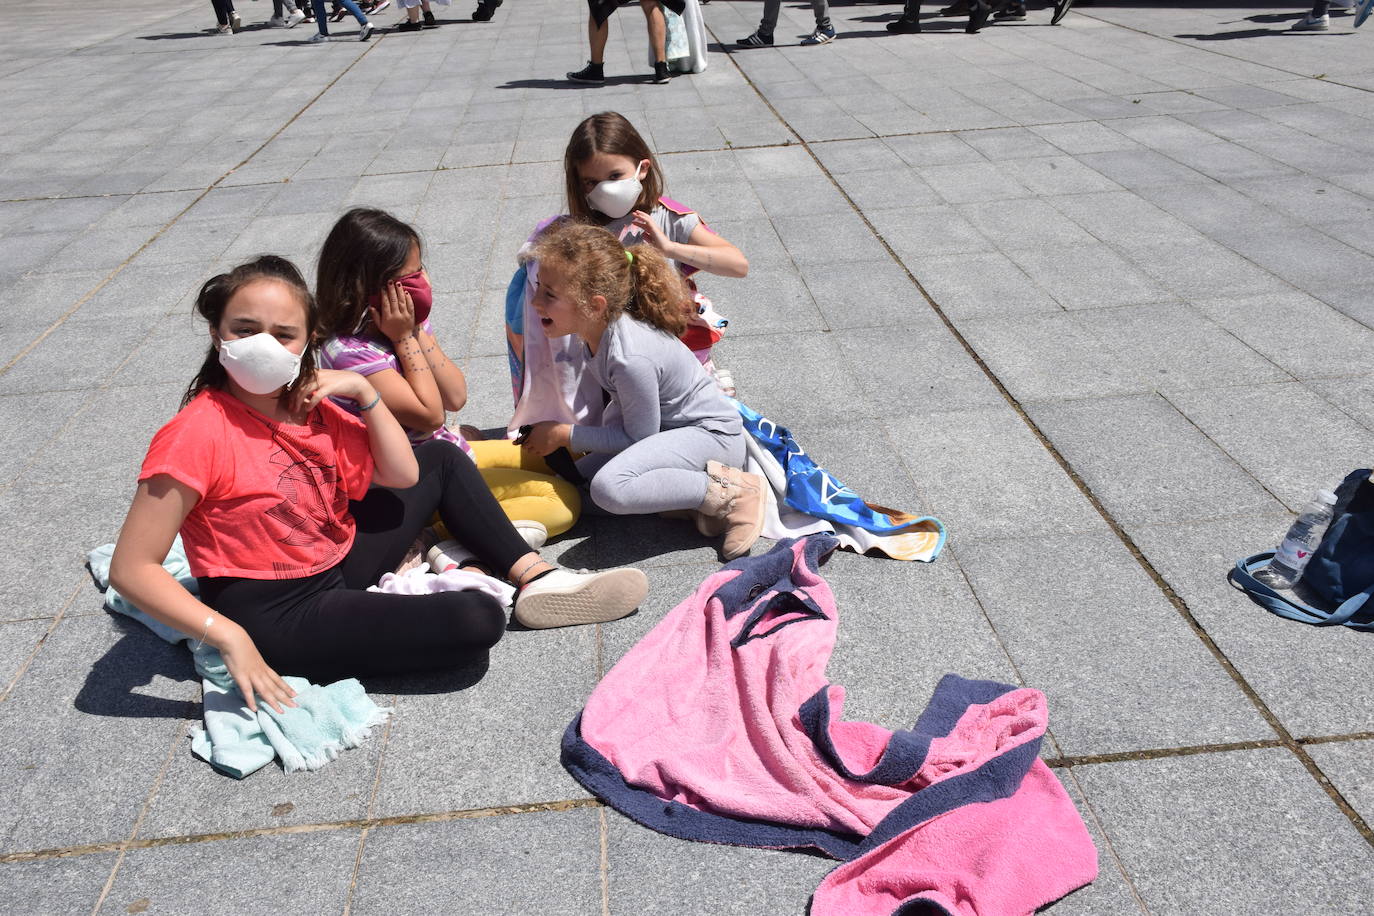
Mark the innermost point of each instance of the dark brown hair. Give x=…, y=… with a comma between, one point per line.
x=363, y=251
x=214, y=298
x=591, y=262
x=608, y=132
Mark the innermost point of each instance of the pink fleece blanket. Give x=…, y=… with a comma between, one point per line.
x=720, y=726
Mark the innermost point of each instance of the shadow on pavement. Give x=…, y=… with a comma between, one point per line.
x=138, y=657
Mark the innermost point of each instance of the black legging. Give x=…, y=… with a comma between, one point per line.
x=224, y=10
x=324, y=627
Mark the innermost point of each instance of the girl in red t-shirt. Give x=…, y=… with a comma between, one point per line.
x=289, y=508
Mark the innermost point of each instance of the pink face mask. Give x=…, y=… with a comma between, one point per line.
x=421, y=294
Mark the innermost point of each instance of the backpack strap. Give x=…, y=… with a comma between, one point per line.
x=1242, y=576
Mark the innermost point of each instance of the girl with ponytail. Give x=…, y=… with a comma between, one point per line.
x=668, y=439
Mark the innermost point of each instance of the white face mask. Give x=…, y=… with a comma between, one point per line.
x=259, y=364
x=616, y=198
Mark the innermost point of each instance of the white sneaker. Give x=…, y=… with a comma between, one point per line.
x=317, y=38
x=564, y=598
x=1310, y=23
x=365, y=31
x=534, y=533
x=235, y=23
x=277, y=22
x=295, y=19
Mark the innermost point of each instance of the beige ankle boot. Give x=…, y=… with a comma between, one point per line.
x=734, y=504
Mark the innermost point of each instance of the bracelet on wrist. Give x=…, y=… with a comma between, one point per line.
x=375, y=401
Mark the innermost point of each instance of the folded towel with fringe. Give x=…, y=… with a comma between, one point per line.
x=235, y=740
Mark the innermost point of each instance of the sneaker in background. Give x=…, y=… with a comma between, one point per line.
x=365, y=32
x=1014, y=13
x=820, y=36
x=428, y=21
x=1310, y=23
x=661, y=72
x=235, y=23
x=592, y=75
x=294, y=19
x=904, y=26
x=756, y=40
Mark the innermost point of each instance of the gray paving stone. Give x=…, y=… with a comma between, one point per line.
x=91, y=721
x=1085, y=137
x=1347, y=764
x=1123, y=219
x=924, y=231
x=49, y=366
x=651, y=873
x=1200, y=270
x=983, y=491
x=1162, y=133
x=920, y=604
x=1146, y=462
x=972, y=182
x=1141, y=168
x=831, y=389
x=1355, y=396
x=1258, y=814
x=767, y=301
x=1049, y=358
x=1311, y=678
x=122, y=420
x=909, y=371
x=1008, y=143
x=866, y=294
x=1172, y=347
x=1111, y=892
x=925, y=150
x=410, y=868
x=54, y=887
x=505, y=728
x=979, y=285
x=1014, y=224
x=1314, y=447
x=208, y=877
x=193, y=798
x=20, y=641
x=1049, y=175
x=1090, y=276
x=1294, y=331
x=834, y=239
x=1089, y=629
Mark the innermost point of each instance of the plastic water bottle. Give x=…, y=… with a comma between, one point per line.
x=1292, y=555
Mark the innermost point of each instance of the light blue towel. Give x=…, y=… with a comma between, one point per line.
x=235, y=740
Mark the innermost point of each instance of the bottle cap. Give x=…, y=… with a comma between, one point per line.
x=1326, y=496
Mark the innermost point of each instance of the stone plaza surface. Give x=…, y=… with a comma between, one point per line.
x=1100, y=296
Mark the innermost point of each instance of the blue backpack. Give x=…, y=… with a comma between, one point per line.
x=1341, y=571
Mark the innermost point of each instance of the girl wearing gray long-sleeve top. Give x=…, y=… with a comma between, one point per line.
x=669, y=439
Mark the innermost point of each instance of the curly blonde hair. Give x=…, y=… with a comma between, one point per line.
x=592, y=263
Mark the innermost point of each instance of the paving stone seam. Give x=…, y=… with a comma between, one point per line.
x=368, y=823
x=397, y=820
x=178, y=736
x=385, y=739
x=42, y=640
x=1180, y=605
x=604, y=842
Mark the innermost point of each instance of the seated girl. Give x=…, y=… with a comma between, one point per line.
x=668, y=439
x=375, y=302
x=612, y=179
x=289, y=508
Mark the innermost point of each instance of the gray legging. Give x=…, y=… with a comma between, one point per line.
x=666, y=471
x=770, y=15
